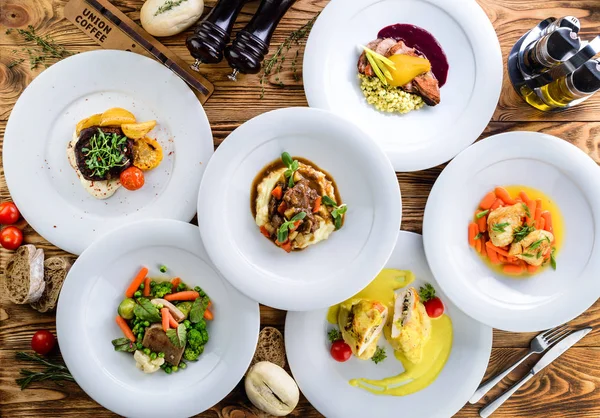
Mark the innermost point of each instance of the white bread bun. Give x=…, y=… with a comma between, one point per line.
x=178, y=15
x=24, y=281
x=271, y=389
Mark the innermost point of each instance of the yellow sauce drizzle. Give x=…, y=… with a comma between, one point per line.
x=437, y=350
x=407, y=68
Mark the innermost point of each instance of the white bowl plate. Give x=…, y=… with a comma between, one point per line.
x=87, y=308
x=561, y=171
x=45, y=187
x=429, y=136
x=324, y=381
x=329, y=271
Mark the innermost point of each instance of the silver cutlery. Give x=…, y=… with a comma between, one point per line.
x=552, y=354
x=538, y=345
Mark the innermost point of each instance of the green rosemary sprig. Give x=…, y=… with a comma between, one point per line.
x=46, y=48
x=54, y=371
x=168, y=5
x=274, y=65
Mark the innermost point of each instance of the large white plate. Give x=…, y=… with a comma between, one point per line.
x=432, y=135
x=85, y=323
x=560, y=170
x=324, y=381
x=329, y=271
x=46, y=188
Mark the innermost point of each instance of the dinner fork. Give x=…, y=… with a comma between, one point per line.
x=538, y=345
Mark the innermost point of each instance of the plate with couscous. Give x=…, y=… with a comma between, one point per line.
x=422, y=77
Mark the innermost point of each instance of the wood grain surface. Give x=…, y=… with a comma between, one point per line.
x=568, y=388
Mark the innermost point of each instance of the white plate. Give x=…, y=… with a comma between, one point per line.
x=432, y=135
x=330, y=271
x=560, y=170
x=324, y=381
x=46, y=188
x=85, y=323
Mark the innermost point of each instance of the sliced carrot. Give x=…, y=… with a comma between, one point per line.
x=287, y=246
x=175, y=282
x=478, y=245
x=532, y=269
x=513, y=269
x=531, y=205
x=282, y=208
x=503, y=194
x=482, y=224
x=500, y=251
x=473, y=228
x=502, y=259
x=185, y=295
x=295, y=226
x=487, y=201
x=483, y=250
x=524, y=197
x=548, y=221
x=172, y=323
x=493, y=256
x=265, y=232
x=277, y=192
x=537, y=215
x=125, y=328
x=497, y=203
x=164, y=312
x=317, y=204
x=542, y=223
x=208, y=315
x=146, y=291
x=137, y=281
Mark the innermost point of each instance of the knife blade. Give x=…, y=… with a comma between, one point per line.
x=553, y=353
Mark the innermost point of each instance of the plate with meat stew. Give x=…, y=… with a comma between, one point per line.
x=299, y=209
x=111, y=333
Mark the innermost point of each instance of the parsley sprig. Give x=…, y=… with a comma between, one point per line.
x=426, y=292
x=379, y=355
x=104, y=153
x=292, y=166
x=284, y=229
x=337, y=212
x=334, y=335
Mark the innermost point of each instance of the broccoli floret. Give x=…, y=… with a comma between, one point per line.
x=194, y=338
x=201, y=325
x=191, y=354
x=161, y=289
x=204, y=335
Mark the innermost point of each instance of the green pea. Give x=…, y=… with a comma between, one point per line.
x=137, y=294
x=181, y=287
x=198, y=289
x=152, y=283
x=146, y=323
x=163, y=269
x=174, y=368
x=147, y=351
x=139, y=346
x=140, y=336
x=152, y=356
x=182, y=365
x=159, y=306
x=141, y=286
x=168, y=370
x=161, y=355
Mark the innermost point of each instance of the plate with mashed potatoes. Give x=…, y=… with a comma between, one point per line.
x=299, y=209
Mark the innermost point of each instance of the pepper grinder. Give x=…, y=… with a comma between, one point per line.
x=212, y=34
x=248, y=50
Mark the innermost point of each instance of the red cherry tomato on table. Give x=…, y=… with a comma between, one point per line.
x=434, y=307
x=132, y=178
x=11, y=237
x=9, y=214
x=340, y=351
x=43, y=342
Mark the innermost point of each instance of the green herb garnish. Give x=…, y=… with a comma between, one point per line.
x=500, y=227
x=337, y=212
x=283, y=231
x=46, y=48
x=527, y=212
x=553, y=259
x=521, y=232
x=168, y=5
x=124, y=344
x=478, y=236
x=379, y=355
x=163, y=269
x=104, y=153
x=178, y=336
x=482, y=214
x=527, y=255
x=146, y=311
x=426, y=292
x=537, y=243
x=198, y=308
x=292, y=166
x=53, y=371
x=380, y=64
x=334, y=335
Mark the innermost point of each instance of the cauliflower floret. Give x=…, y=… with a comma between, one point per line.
x=144, y=363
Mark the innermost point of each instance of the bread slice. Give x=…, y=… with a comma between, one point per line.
x=270, y=347
x=55, y=272
x=24, y=281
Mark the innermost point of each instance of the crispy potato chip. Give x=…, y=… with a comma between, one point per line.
x=116, y=116
x=147, y=153
x=138, y=130
x=93, y=120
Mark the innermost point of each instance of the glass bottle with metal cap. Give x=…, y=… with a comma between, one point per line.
x=550, y=50
x=581, y=83
x=570, y=22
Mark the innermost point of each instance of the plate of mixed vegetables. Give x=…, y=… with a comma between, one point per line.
x=164, y=322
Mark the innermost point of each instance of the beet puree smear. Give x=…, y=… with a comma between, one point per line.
x=424, y=42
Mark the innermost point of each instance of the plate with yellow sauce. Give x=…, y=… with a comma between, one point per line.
x=400, y=352
x=510, y=231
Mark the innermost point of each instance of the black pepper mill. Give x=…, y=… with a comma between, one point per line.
x=248, y=50
x=212, y=34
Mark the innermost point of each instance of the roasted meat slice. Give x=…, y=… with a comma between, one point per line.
x=85, y=137
x=156, y=340
x=301, y=198
x=382, y=47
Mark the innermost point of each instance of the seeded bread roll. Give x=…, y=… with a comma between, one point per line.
x=24, y=281
x=270, y=347
x=55, y=272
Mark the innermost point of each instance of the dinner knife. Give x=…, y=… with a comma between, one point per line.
x=552, y=354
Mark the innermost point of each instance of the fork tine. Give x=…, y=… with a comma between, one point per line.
x=552, y=331
x=557, y=337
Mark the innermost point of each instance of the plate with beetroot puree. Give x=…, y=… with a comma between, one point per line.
x=424, y=42
x=456, y=37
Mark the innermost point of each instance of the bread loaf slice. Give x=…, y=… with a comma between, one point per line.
x=24, y=281
x=270, y=347
x=55, y=272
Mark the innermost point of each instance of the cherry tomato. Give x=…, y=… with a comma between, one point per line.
x=9, y=214
x=43, y=342
x=340, y=351
x=434, y=307
x=132, y=178
x=11, y=237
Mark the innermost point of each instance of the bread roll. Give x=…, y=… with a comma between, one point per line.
x=270, y=347
x=24, y=281
x=55, y=271
x=170, y=17
x=271, y=389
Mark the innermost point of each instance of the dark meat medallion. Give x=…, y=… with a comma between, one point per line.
x=302, y=198
x=84, y=142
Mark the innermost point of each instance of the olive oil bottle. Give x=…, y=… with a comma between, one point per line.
x=550, y=50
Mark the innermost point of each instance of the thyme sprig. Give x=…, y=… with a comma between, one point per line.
x=105, y=152
x=54, y=371
x=167, y=5
x=274, y=65
x=46, y=48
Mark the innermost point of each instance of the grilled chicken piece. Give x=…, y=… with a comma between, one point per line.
x=502, y=223
x=361, y=322
x=533, y=247
x=411, y=326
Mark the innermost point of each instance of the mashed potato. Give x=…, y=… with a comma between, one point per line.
x=388, y=98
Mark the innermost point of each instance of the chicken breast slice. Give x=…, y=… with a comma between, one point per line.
x=502, y=223
x=532, y=248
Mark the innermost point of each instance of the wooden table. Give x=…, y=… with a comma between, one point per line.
x=569, y=388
